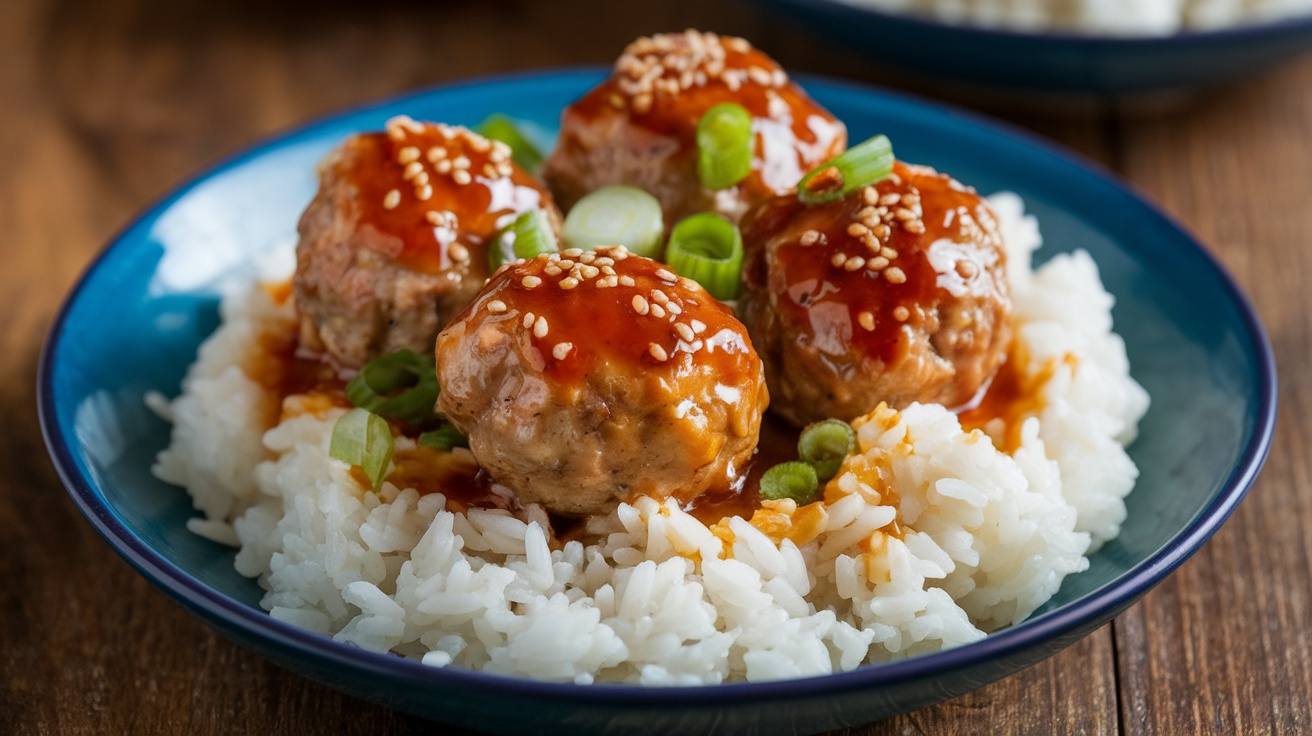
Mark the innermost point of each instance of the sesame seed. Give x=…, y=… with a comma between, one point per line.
x=870, y=196
x=561, y=350
x=604, y=261
x=867, y=321
x=571, y=253
x=838, y=260
x=496, y=306
x=854, y=263
x=640, y=304
x=424, y=193
x=627, y=281
x=810, y=237
x=659, y=296
x=443, y=166
x=569, y=282
x=480, y=144
x=665, y=275
x=589, y=272
x=698, y=326
x=588, y=257
x=460, y=162
x=412, y=170
x=566, y=263
x=490, y=170
x=530, y=281
x=407, y=154
x=461, y=177
x=895, y=275
x=433, y=217
x=657, y=352
x=392, y=199
x=435, y=154
x=685, y=332
x=458, y=252
x=657, y=311
x=421, y=178
x=528, y=320
x=888, y=253
x=674, y=308
x=901, y=313
x=877, y=263
x=608, y=270
x=856, y=229
x=552, y=270
x=890, y=199
x=540, y=327
x=966, y=269
x=915, y=226
x=904, y=214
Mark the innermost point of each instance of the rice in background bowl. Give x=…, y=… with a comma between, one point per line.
x=928, y=538
x=1097, y=17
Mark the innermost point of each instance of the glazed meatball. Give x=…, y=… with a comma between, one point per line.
x=639, y=126
x=394, y=244
x=895, y=293
x=585, y=378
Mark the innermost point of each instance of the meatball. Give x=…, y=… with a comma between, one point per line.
x=639, y=126
x=394, y=244
x=586, y=378
x=894, y=293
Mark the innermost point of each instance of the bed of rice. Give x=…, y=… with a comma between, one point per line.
x=1105, y=17
x=928, y=538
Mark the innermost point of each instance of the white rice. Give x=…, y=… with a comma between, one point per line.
x=962, y=539
x=1098, y=17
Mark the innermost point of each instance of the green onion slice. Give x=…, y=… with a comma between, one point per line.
x=498, y=127
x=709, y=250
x=616, y=215
x=363, y=438
x=857, y=167
x=400, y=385
x=528, y=236
x=824, y=446
x=724, y=146
x=795, y=480
x=444, y=438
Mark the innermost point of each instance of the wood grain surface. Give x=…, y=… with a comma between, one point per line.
x=105, y=106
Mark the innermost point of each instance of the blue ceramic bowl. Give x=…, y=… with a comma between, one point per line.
x=135, y=320
x=1054, y=62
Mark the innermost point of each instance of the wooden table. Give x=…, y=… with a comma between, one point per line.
x=106, y=106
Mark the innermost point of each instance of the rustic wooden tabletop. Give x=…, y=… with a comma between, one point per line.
x=105, y=106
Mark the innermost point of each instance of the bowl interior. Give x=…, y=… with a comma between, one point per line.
x=135, y=322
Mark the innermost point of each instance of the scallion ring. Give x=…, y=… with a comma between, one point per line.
x=529, y=235
x=724, y=146
x=616, y=215
x=363, y=438
x=444, y=438
x=795, y=480
x=400, y=385
x=857, y=167
x=709, y=250
x=498, y=127
x=824, y=446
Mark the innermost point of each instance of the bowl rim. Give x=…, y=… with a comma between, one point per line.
x=225, y=613
x=1238, y=33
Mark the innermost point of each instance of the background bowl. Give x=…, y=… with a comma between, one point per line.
x=1051, y=62
x=134, y=322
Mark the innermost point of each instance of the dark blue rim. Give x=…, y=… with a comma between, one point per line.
x=1229, y=34
x=210, y=604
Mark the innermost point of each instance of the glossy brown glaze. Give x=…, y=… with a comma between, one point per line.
x=639, y=126
x=585, y=378
x=451, y=186
x=894, y=293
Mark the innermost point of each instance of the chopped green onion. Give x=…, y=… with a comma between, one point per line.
x=857, y=167
x=400, y=385
x=444, y=438
x=724, y=146
x=824, y=446
x=363, y=438
x=528, y=236
x=616, y=215
x=795, y=480
x=498, y=127
x=709, y=250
